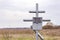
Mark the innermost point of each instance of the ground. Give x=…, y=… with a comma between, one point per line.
x=28, y=34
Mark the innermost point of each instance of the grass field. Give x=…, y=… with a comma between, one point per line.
x=28, y=37
x=28, y=34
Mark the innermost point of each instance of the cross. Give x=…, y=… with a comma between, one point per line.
x=36, y=10
x=36, y=13
x=37, y=21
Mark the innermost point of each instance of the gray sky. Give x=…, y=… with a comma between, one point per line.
x=12, y=12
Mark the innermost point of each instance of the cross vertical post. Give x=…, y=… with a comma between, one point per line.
x=36, y=9
x=36, y=35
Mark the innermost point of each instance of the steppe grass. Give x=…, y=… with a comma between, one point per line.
x=30, y=37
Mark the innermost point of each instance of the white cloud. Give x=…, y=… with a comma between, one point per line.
x=12, y=12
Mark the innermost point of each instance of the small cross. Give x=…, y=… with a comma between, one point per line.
x=36, y=10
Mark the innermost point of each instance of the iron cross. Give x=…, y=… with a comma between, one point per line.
x=37, y=11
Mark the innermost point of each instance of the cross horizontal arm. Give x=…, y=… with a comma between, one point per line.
x=28, y=20
x=32, y=20
x=46, y=20
x=35, y=11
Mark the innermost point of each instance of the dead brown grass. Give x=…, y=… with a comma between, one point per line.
x=51, y=32
x=45, y=32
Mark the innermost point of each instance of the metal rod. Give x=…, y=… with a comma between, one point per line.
x=36, y=9
x=36, y=35
x=40, y=36
x=46, y=20
x=28, y=20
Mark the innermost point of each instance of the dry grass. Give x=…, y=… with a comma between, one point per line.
x=29, y=37
x=28, y=34
x=48, y=32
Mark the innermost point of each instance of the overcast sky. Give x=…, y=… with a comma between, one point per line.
x=13, y=12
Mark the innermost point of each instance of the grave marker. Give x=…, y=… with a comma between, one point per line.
x=37, y=22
